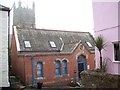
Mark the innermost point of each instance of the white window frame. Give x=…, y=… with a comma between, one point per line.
x=114, y=51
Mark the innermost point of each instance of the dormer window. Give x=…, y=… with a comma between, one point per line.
x=52, y=44
x=89, y=44
x=27, y=44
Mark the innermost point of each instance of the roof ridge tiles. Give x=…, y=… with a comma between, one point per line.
x=18, y=28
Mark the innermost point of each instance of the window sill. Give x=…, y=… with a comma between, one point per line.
x=65, y=75
x=58, y=76
x=116, y=61
x=40, y=78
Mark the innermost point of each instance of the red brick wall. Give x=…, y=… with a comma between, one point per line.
x=17, y=63
x=90, y=60
x=49, y=66
x=14, y=55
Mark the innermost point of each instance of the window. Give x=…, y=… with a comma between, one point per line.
x=52, y=44
x=57, y=63
x=64, y=67
x=27, y=44
x=89, y=44
x=39, y=69
x=117, y=51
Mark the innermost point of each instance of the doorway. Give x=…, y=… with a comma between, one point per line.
x=80, y=68
x=81, y=64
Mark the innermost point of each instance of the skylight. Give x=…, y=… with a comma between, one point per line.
x=27, y=44
x=89, y=44
x=52, y=44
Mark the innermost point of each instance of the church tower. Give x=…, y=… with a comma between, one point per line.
x=24, y=17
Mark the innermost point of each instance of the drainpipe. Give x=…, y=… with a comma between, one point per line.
x=32, y=58
x=8, y=46
x=85, y=64
x=24, y=69
x=62, y=44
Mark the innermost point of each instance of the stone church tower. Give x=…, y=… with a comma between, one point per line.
x=24, y=17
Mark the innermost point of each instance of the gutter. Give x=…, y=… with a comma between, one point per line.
x=40, y=51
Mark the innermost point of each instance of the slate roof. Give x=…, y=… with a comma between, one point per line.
x=39, y=40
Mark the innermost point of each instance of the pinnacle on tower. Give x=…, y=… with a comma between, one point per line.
x=19, y=3
x=33, y=6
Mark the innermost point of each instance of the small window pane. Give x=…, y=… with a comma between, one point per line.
x=117, y=51
x=89, y=44
x=57, y=67
x=64, y=67
x=39, y=69
x=52, y=44
x=27, y=44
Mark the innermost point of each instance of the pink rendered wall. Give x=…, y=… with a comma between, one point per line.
x=105, y=15
x=105, y=22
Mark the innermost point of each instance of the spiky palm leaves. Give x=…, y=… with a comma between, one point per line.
x=100, y=44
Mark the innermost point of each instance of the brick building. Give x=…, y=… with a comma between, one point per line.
x=50, y=56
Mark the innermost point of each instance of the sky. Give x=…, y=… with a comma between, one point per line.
x=70, y=15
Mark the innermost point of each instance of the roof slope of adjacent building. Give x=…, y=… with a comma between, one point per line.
x=65, y=41
x=4, y=8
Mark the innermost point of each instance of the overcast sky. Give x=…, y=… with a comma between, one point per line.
x=71, y=15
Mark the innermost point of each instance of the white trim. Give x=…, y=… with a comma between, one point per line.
x=113, y=58
x=62, y=44
x=65, y=59
x=115, y=42
x=76, y=46
x=80, y=53
x=16, y=39
x=81, y=46
x=116, y=61
x=38, y=78
x=43, y=62
x=58, y=59
x=53, y=62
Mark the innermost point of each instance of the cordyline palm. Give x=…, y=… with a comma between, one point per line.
x=100, y=44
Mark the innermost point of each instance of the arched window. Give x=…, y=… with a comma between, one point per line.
x=57, y=64
x=39, y=69
x=64, y=67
